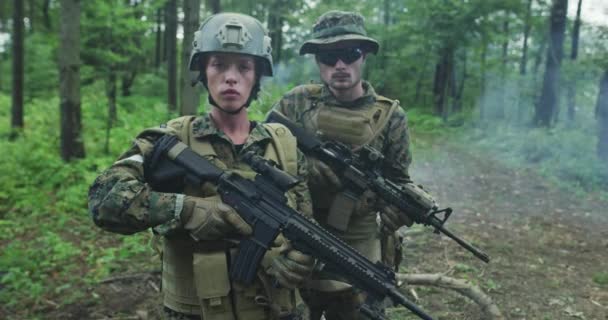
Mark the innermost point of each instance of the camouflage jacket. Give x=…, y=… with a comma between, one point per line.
x=394, y=140
x=121, y=201
x=303, y=105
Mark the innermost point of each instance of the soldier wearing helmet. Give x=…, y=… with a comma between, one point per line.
x=346, y=108
x=232, y=52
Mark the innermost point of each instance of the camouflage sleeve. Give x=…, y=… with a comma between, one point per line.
x=303, y=200
x=397, y=148
x=292, y=103
x=121, y=201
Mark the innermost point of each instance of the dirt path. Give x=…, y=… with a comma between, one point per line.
x=546, y=244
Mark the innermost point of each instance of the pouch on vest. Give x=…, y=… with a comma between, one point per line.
x=213, y=285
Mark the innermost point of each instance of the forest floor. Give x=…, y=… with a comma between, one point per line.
x=549, y=248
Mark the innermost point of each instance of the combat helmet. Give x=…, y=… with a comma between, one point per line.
x=339, y=26
x=233, y=33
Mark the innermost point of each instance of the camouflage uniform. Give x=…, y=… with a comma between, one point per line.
x=121, y=201
x=309, y=106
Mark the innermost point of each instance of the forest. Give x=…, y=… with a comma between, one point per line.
x=506, y=100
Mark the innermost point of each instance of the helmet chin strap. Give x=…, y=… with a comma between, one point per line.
x=201, y=78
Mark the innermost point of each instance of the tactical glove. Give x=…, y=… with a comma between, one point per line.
x=211, y=219
x=322, y=175
x=393, y=219
x=291, y=267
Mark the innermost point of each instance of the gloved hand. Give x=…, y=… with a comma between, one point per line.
x=322, y=175
x=291, y=267
x=210, y=219
x=393, y=219
x=366, y=203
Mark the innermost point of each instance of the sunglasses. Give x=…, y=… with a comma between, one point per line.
x=347, y=56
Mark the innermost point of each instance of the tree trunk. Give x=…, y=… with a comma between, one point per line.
x=30, y=16
x=482, y=86
x=159, y=37
x=443, y=72
x=539, y=55
x=112, y=113
x=214, y=5
x=385, y=50
x=46, y=16
x=548, y=104
x=573, y=55
x=421, y=75
x=72, y=145
x=171, y=43
x=602, y=117
x=18, y=53
x=524, y=52
x=500, y=112
x=127, y=82
x=457, y=91
x=275, y=29
x=190, y=94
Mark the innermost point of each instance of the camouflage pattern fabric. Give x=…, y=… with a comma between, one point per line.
x=335, y=26
x=120, y=201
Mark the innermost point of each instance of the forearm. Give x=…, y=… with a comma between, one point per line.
x=120, y=201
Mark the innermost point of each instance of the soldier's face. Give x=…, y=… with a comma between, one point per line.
x=340, y=68
x=230, y=78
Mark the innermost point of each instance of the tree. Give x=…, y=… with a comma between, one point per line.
x=573, y=55
x=524, y=51
x=72, y=145
x=548, y=104
x=18, y=53
x=602, y=117
x=171, y=45
x=214, y=5
x=159, y=36
x=190, y=94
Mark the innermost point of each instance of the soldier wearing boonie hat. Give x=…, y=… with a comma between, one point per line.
x=346, y=108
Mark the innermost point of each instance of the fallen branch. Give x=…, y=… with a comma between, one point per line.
x=463, y=287
x=124, y=277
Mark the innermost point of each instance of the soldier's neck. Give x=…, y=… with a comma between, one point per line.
x=235, y=126
x=350, y=94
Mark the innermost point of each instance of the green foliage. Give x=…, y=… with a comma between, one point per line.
x=601, y=278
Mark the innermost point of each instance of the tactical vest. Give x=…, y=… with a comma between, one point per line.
x=195, y=277
x=355, y=127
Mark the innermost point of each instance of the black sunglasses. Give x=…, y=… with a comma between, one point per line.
x=347, y=56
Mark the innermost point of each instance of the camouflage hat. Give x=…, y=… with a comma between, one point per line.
x=337, y=26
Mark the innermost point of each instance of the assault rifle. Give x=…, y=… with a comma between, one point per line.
x=263, y=205
x=361, y=171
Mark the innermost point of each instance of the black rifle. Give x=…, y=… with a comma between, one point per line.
x=361, y=171
x=263, y=205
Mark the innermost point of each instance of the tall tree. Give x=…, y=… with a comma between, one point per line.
x=46, y=15
x=18, y=53
x=214, y=5
x=275, y=28
x=602, y=117
x=573, y=55
x=159, y=37
x=190, y=94
x=548, y=103
x=72, y=145
x=171, y=45
x=524, y=51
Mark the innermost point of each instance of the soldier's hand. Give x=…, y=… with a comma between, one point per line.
x=393, y=219
x=210, y=219
x=291, y=267
x=366, y=203
x=322, y=175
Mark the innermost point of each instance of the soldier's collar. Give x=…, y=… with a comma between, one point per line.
x=369, y=96
x=203, y=126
